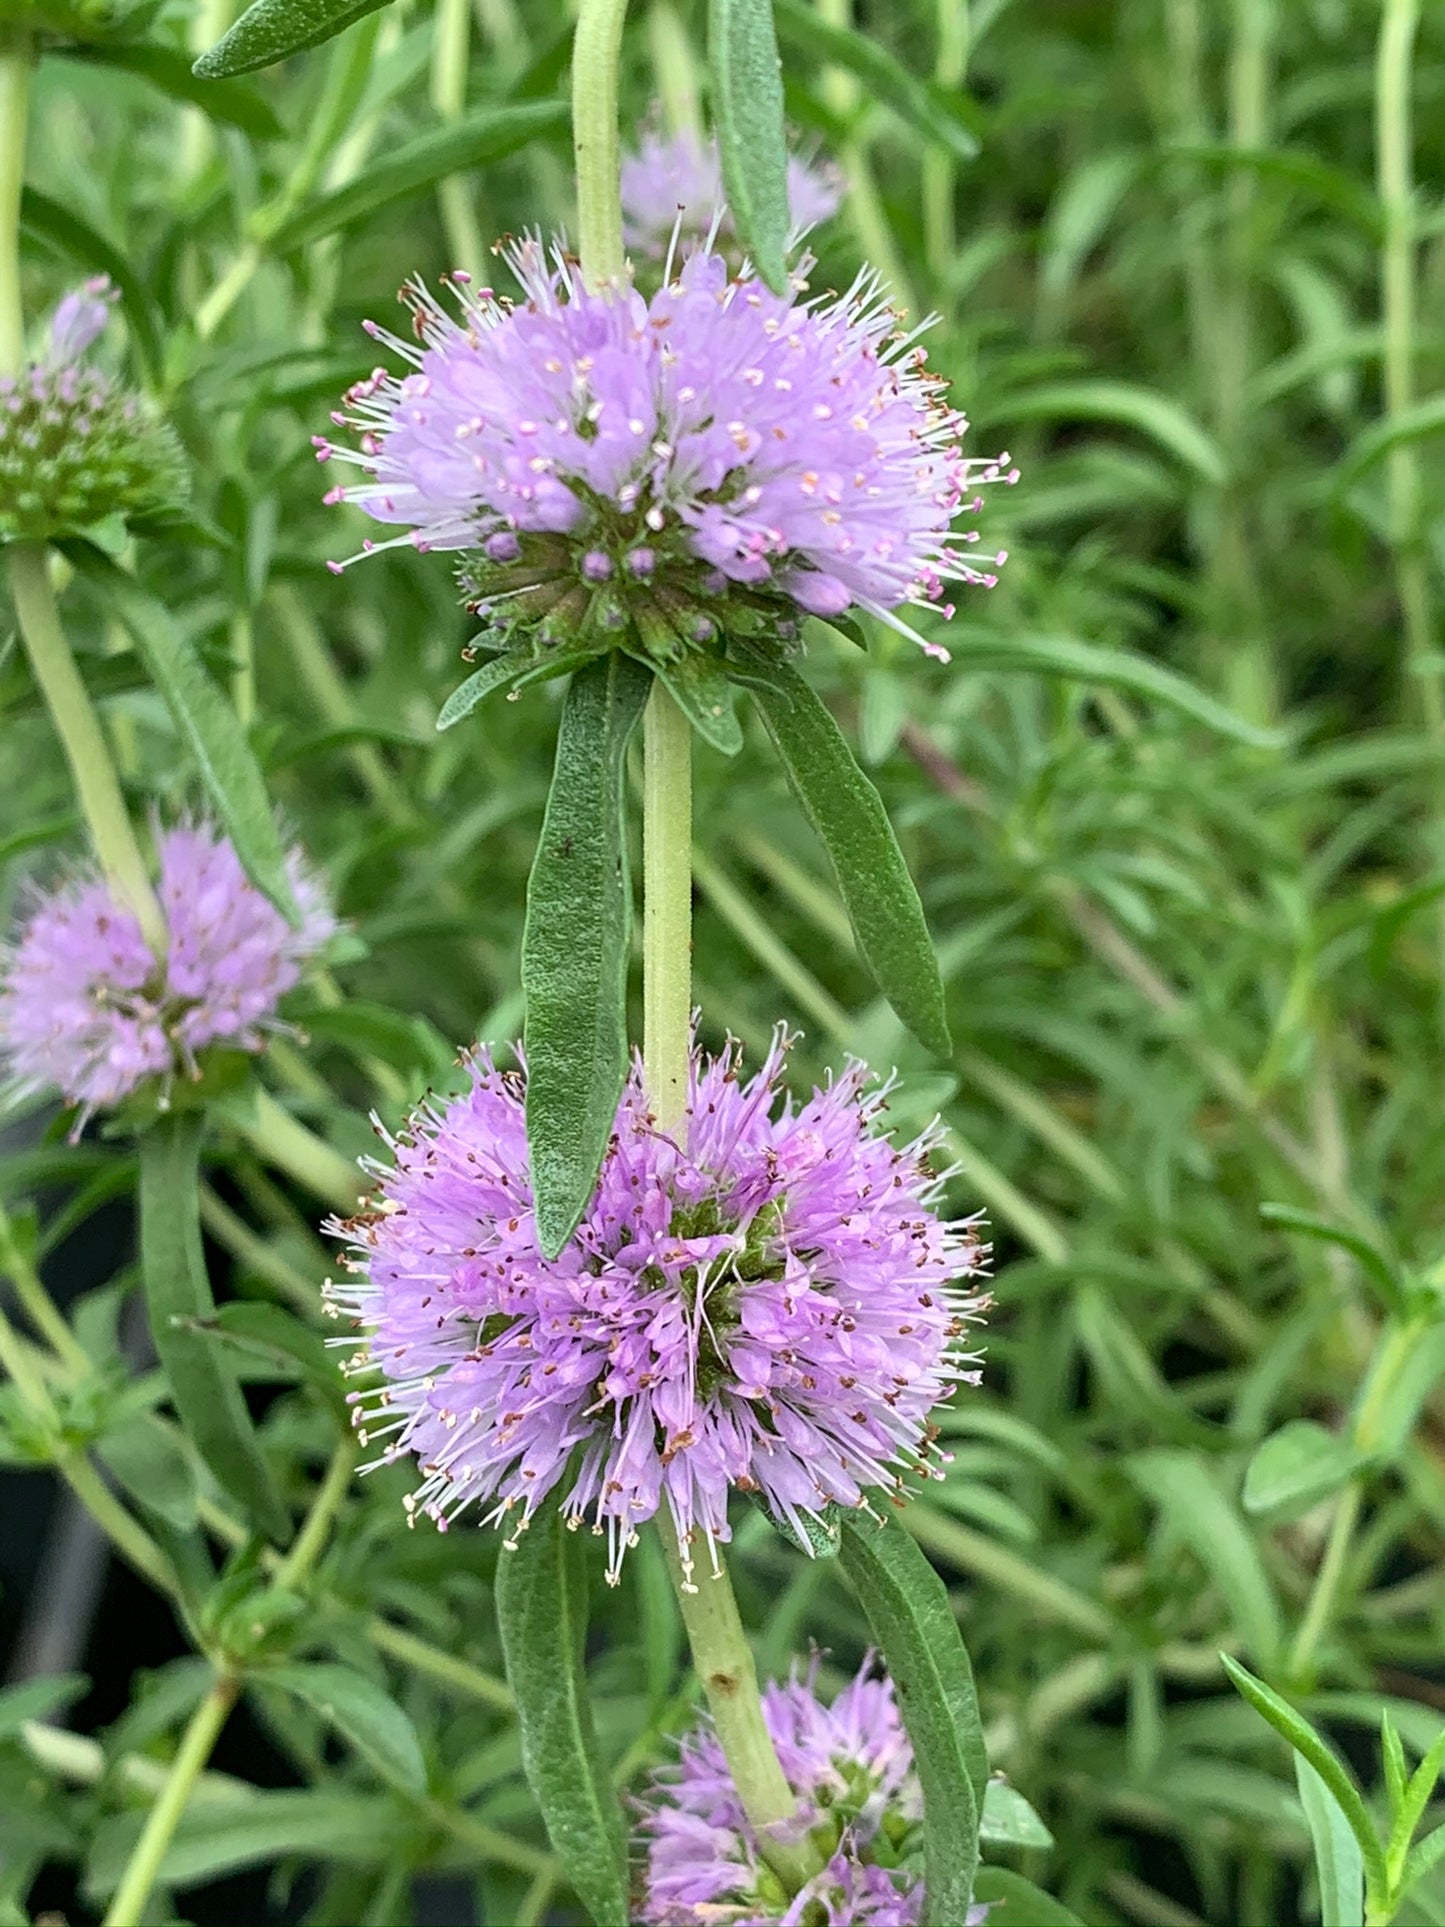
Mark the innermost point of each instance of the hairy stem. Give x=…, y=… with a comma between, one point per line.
x=724, y=1663
x=595, y=50
x=666, y=904
x=197, y=1744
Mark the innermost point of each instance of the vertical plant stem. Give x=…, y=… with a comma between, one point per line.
x=81, y=737
x=1325, y=1590
x=451, y=36
x=666, y=904
x=863, y=204
x=724, y=1663
x=14, y=115
x=940, y=174
x=197, y=1745
x=596, y=47
x=673, y=68
x=310, y=1541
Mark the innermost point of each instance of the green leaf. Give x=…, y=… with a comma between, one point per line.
x=1338, y=1866
x=705, y=696
x=541, y=1599
x=480, y=684
x=747, y=104
x=1192, y=1508
x=941, y=116
x=254, y=1327
x=362, y=1713
x=574, y=946
x=233, y=101
x=1008, y=1819
x=1303, y=1738
x=204, y=719
x=1372, y=1261
x=51, y=222
x=1411, y=1806
x=1413, y=424
x=270, y=29
x=1019, y=1903
x=485, y=136
x=848, y=815
x=178, y=1300
x=1126, y=405
x=35, y=1699
x=1295, y=1466
x=908, y=1612
x=1114, y=668
x=149, y=1462
x=1423, y=1859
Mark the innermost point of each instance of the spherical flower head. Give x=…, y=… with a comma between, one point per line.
x=791, y=455
x=850, y=1766
x=86, y=1009
x=76, y=450
x=672, y=189
x=764, y=1300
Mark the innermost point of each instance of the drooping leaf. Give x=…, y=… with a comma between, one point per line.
x=483, y=137
x=205, y=720
x=269, y=30
x=1008, y=1819
x=492, y=675
x=848, y=814
x=541, y=1599
x=574, y=946
x=362, y=1713
x=705, y=696
x=1306, y=1742
x=1338, y=1865
x=1164, y=420
x=909, y=1614
x=747, y=104
x=179, y=1302
x=233, y=101
x=941, y=116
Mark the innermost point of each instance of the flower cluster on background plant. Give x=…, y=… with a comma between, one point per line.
x=1173, y=810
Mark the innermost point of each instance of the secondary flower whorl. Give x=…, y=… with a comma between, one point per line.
x=766, y=1300
x=851, y=1767
x=86, y=1009
x=616, y=468
x=672, y=186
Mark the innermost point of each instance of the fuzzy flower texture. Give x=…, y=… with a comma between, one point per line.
x=672, y=186
x=76, y=449
x=851, y=1768
x=766, y=1301
x=615, y=467
x=86, y=1009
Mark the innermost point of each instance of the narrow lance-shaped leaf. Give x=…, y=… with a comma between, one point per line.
x=179, y=1301
x=848, y=814
x=210, y=727
x=747, y=104
x=541, y=1598
x=943, y=116
x=1338, y=1866
x=910, y=1616
x=574, y=946
x=362, y=1713
x=1018, y=1900
x=271, y=29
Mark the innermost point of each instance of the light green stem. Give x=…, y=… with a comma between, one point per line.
x=724, y=1663
x=666, y=904
x=1325, y=1590
x=596, y=47
x=310, y=1541
x=197, y=1744
x=38, y=1305
x=14, y=113
x=283, y=1140
x=126, y=1534
x=940, y=174
x=439, y=1665
x=451, y=34
x=672, y=64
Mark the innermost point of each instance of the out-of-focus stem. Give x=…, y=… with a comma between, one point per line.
x=862, y=203
x=86, y=750
x=666, y=905
x=596, y=47
x=673, y=68
x=940, y=174
x=197, y=1744
x=284, y=1141
x=451, y=34
x=14, y=117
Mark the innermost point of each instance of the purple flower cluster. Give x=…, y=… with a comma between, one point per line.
x=74, y=448
x=765, y=1300
x=87, y=1009
x=851, y=1767
x=587, y=447
x=672, y=187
